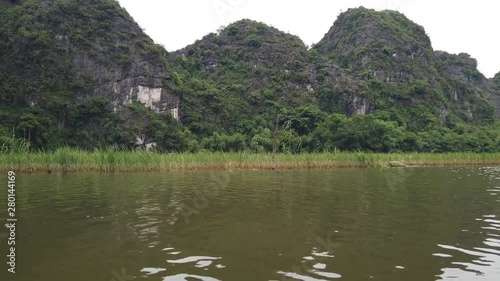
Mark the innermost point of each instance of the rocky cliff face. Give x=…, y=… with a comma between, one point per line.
x=494, y=95
x=389, y=48
x=102, y=51
x=464, y=86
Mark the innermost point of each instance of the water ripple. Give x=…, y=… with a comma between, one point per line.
x=152, y=270
x=184, y=276
x=326, y=274
x=193, y=259
x=297, y=276
x=486, y=261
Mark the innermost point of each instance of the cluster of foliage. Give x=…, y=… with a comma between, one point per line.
x=308, y=129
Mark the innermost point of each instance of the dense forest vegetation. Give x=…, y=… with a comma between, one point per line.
x=373, y=83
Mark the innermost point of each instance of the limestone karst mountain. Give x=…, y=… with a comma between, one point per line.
x=79, y=73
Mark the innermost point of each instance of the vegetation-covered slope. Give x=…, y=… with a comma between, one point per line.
x=241, y=77
x=395, y=58
x=376, y=67
x=73, y=72
x=65, y=65
x=494, y=93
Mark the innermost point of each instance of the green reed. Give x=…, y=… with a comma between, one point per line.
x=111, y=159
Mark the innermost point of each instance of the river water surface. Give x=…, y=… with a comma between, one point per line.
x=341, y=224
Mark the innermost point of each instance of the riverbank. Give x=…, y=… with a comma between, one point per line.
x=108, y=160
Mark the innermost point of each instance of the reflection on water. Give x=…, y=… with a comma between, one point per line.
x=183, y=277
x=484, y=261
x=151, y=271
x=298, y=276
x=193, y=259
x=147, y=225
x=343, y=224
x=312, y=267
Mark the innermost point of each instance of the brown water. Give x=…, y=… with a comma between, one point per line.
x=343, y=224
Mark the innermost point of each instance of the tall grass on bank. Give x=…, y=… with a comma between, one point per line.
x=109, y=160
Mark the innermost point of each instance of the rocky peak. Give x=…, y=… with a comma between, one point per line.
x=386, y=43
x=462, y=67
x=243, y=31
x=255, y=43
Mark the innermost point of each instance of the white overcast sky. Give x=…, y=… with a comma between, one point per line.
x=454, y=26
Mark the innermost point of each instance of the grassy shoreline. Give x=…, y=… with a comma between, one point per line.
x=109, y=160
